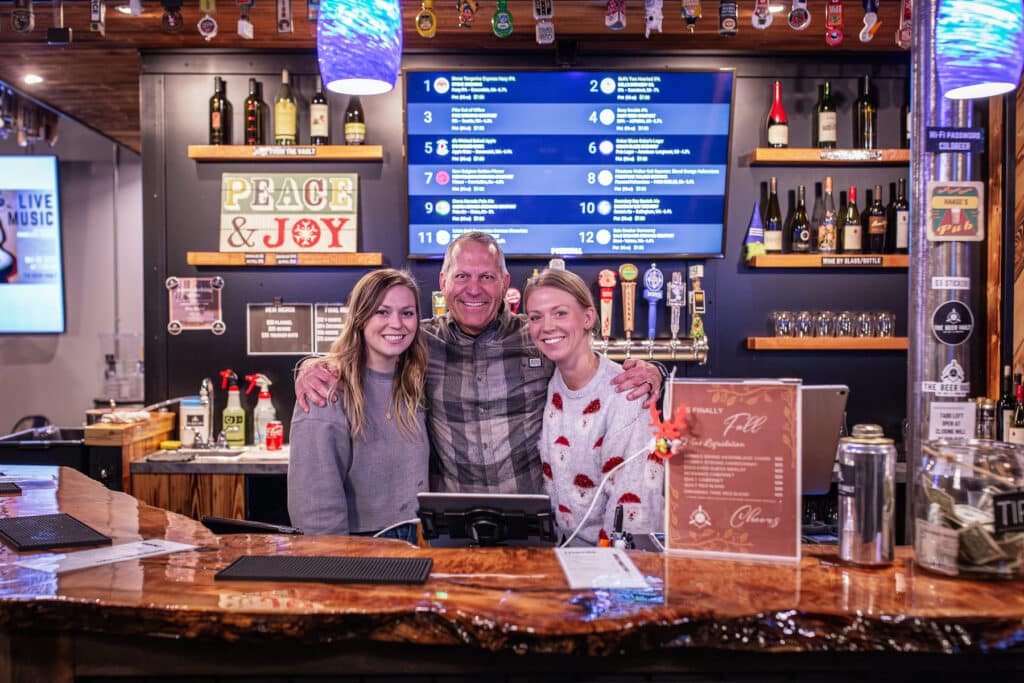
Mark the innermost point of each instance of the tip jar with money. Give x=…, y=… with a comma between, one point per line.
x=969, y=509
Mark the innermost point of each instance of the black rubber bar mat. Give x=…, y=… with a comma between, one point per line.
x=9, y=488
x=42, y=532
x=328, y=569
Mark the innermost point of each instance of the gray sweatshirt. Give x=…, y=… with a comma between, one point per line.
x=337, y=485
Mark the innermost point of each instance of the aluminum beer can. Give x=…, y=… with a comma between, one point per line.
x=867, y=463
x=275, y=435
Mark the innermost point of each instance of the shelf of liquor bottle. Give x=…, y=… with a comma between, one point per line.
x=812, y=156
x=827, y=343
x=286, y=152
x=829, y=261
x=257, y=259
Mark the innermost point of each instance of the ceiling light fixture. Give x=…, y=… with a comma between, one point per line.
x=359, y=45
x=979, y=47
x=33, y=79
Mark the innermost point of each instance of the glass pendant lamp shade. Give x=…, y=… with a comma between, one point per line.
x=979, y=47
x=359, y=45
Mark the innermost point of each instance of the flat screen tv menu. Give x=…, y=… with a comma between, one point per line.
x=569, y=163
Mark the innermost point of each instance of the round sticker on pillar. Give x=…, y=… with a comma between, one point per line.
x=952, y=323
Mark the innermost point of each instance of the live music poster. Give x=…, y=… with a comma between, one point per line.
x=735, y=491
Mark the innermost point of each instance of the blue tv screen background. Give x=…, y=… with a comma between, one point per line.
x=31, y=268
x=569, y=163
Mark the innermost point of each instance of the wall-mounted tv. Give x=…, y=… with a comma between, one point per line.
x=601, y=163
x=31, y=269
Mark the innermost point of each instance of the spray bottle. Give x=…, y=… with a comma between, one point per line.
x=264, y=411
x=232, y=420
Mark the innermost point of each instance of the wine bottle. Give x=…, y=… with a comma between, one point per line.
x=1017, y=426
x=824, y=130
x=865, y=115
x=777, y=123
x=1005, y=406
x=890, y=221
x=319, y=117
x=869, y=197
x=220, y=114
x=840, y=216
x=355, y=124
x=773, y=220
x=902, y=213
x=851, y=224
x=787, y=225
x=817, y=215
x=801, y=228
x=876, y=223
x=285, y=113
x=254, y=110
x=827, y=238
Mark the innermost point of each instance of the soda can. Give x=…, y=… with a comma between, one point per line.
x=275, y=435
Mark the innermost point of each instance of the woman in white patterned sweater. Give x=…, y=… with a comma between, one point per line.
x=588, y=427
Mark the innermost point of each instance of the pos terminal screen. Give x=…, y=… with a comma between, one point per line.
x=569, y=163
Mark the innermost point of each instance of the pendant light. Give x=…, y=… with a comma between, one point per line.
x=979, y=47
x=359, y=45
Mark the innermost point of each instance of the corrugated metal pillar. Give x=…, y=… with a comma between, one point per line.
x=930, y=361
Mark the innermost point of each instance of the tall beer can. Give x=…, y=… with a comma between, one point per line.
x=867, y=465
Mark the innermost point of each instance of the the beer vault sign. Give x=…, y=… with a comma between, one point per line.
x=284, y=212
x=735, y=490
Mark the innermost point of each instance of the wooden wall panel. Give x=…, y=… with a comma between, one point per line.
x=193, y=495
x=1018, y=243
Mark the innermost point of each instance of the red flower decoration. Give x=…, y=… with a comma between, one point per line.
x=556, y=401
x=627, y=498
x=547, y=470
x=610, y=464
x=562, y=441
x=562, y=508
x=592, y=407
x=600, y=440
x=602, y=536
x=583, y=481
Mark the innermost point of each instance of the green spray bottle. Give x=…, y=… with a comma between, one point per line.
x=232, y=420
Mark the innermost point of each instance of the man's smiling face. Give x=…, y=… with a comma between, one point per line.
x=474, y=286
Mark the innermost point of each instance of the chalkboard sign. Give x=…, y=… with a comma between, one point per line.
x=280, y=330
x=330, y=321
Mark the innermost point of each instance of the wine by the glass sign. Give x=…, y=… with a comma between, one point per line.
x=283, y=212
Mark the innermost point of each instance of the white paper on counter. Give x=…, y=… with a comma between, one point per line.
x=599, y=568
x=84, y=559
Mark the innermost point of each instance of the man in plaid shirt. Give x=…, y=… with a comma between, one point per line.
x=486, y=383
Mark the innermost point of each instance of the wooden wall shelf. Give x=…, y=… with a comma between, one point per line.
x=810, y=156
x=827, y=343
x=830, y=261
x=286, y=152
x=258, y=259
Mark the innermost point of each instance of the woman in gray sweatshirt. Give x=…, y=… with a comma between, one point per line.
x=357, y=463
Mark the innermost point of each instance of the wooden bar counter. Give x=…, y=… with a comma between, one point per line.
x=495, y=612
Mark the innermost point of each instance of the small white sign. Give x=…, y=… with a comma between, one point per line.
x=84, y=559
x=951, y=420
x=587, y=568
x=959, y=283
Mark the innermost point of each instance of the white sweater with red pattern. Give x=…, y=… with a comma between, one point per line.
x=585, y=434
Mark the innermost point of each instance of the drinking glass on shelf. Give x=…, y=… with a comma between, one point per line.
x=885, y=324
x=782, y=323
x=864, y=324
x=824, y=324
x=844, y=324
x=804, y=325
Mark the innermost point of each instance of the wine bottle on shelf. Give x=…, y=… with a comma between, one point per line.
x=773, y=220
x=355, y=123
x=902, y=212
x=220, y=114
x=1017, y=425
x=255, y=130
x=801, y=228
x=865, y=117
x=840, y=217
x=824, y=130
x=817, y=216
x=890, y=221
x=285, y=113
x=787, y=225
x=851, y=224
x=827, y=234
x=869, y=197
x=319, y=117
x=876, y=223
x=1005, y=406
x=777, y=123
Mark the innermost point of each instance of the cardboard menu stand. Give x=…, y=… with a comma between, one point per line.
x=735, y=491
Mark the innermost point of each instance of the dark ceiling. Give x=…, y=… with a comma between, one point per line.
x=95, y=79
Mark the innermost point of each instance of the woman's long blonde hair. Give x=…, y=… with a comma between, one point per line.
x=348, y=355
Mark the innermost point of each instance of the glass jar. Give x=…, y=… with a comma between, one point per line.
x=955, y=509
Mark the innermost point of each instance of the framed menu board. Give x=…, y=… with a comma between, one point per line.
x=735, y=490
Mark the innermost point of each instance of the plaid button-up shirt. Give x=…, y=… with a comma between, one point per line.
x=485, y=406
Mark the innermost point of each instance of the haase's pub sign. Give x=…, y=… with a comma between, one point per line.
x=284, y=212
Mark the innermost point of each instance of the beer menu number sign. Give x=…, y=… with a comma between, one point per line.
x=570, y=163
x=735, y=491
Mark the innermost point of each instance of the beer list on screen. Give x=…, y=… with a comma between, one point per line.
x=569, y=163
